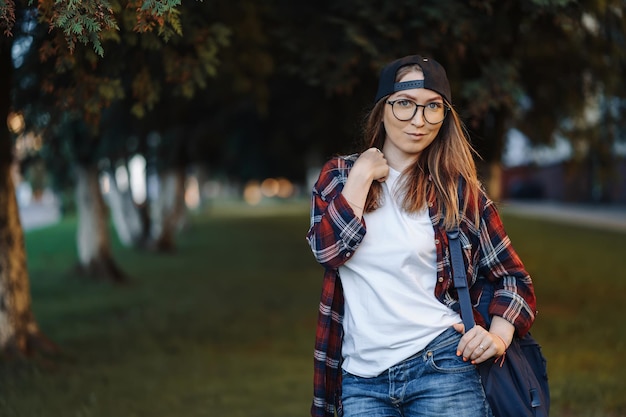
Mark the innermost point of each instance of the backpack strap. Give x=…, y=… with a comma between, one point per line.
x=458, y=268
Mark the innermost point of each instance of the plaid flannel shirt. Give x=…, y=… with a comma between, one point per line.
x=335, y=234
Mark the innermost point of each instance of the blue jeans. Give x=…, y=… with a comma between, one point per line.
x=434, y=383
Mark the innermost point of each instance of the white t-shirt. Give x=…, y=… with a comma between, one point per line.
x=391, y=311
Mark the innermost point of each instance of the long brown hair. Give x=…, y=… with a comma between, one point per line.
x=436, y=172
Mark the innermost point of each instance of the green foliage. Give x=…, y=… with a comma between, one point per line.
x=144, y=65
x=162, y=14
x=527, y=64
x=498, y=85
x=7, y=16
x=555, y=3
x=83, y=21
x=88, y=22
x=496, y=53
x=158, y=8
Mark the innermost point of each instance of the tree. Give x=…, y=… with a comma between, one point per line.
x=584, y=100
x=19, y=332
x=107, y=96
x=81, y=22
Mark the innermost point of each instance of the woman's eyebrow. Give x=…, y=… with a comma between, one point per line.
x=411, y=97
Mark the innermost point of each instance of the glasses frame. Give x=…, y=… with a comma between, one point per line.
x=417, y=106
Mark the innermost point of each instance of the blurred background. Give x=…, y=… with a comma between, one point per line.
x=140, y=134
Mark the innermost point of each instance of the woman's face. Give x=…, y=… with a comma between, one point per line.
x=405, y=140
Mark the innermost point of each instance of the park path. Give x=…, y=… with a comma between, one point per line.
x=39, y=214
x=608, y=217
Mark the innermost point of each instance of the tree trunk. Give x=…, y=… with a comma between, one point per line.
x=93, y=240
x=493, y=130
x=125, y=214
x=171, y=209
x=494, y=181
x=19, y=332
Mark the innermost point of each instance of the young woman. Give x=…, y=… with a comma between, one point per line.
x=389, y=339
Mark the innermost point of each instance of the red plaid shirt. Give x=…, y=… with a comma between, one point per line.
x=335, y=234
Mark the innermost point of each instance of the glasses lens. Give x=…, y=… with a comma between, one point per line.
x=404, y=109
x=434, y=113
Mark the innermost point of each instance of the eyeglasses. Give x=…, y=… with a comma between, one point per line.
x=405, y=110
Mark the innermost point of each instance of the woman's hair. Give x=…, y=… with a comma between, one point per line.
x=437, y=170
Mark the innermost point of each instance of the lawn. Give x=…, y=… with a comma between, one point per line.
x=225, y=326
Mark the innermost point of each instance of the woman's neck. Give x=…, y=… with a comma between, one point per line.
x=399, y=160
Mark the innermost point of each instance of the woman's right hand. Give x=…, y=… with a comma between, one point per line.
x=371, y=162
x=370, y=166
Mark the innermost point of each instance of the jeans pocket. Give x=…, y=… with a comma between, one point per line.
x=447, y=362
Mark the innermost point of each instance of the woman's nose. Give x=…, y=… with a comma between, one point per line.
x=418, y=117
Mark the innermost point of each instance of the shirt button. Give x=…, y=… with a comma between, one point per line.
x=436, y=241
x=440, y=279
x=430, y=204
x=348, y=254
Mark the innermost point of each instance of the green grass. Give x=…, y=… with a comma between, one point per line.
x=225, y=326
x=580, y=279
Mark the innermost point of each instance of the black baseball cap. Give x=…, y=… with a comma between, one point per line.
x=435, y=77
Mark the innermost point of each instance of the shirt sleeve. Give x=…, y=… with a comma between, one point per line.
x=514, y=295
x=335, y=231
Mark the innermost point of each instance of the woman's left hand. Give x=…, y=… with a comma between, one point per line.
x=478, y=345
